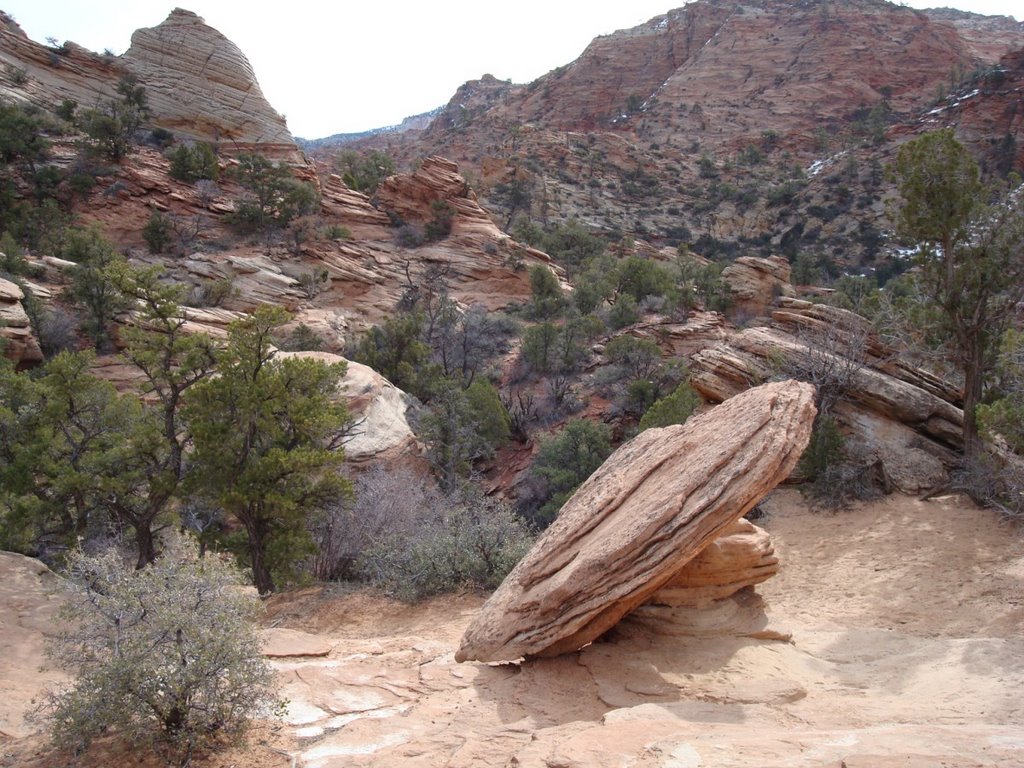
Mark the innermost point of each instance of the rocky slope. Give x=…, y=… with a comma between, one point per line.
x=748, y=124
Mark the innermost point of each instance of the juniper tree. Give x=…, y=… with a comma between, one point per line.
x=970, y=255
x=267, y=436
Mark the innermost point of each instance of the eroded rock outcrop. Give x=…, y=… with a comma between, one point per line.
x=631, y=527
x=755, y=284
x=20, y=344
x=378, y=408
x=413, y=197
x=893, y=412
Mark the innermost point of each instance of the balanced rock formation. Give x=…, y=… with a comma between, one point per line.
x=201, y=86
x=633, y=525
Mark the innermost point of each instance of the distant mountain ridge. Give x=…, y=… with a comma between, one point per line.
x=413, y=123
x=747, y=126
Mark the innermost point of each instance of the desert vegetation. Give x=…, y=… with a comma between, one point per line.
x=159, y=456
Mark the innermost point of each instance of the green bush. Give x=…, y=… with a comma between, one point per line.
x=674, y=408
x=193, y=162
x=12, y=261
x=157, y=232
x=302, y=339
x=539, y=346
x=364, y=173
x=212, y=293
x=440, y=225
x=462, y=426
x=396, y=350
x=274, y=196
x=337, y=232
x=623, y=312
x=110, y=130
x=825, y=449
x=21, y=139
x=566, y=460
x=66, y=110
x=92, y=285
x=164, y=657
x=547, y=300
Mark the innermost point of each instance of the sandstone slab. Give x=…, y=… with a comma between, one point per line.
x=279, y=642
x=631, y=527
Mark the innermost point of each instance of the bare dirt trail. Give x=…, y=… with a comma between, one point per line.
x=907, y=650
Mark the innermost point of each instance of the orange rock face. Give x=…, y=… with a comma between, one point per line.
x=631, y=527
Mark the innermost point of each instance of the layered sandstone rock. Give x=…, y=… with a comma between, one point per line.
x=20, y=344
x=412, y=198
x=201, y=86
x=755, y=284
x=894, y=413
x=741, y=557
x=46, y=76
x=631, y=527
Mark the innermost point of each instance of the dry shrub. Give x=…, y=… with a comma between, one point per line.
x=993, y=480
x=405, y=537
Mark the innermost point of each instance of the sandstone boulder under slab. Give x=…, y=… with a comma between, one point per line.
x=651, y=507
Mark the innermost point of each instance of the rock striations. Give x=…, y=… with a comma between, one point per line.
x=18, y=341
x=892, y=412
x=202, y=86
x=634, y=524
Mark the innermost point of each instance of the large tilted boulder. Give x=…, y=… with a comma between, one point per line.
x=634, y=524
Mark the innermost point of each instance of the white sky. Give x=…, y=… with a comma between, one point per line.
x=335, y=67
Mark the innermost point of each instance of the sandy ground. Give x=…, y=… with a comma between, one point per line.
x=906, y=650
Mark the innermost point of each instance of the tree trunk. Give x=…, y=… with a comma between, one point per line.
x=973, y=380
x=144, y=544
x=257, y=555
